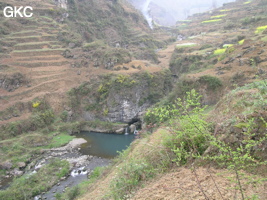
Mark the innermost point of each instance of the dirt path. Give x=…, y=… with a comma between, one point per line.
x=183, y=185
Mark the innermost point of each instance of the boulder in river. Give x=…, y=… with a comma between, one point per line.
x=120, y=131
x=16, y=172
x=6, y=165
x=132, y=128
x=21, y=165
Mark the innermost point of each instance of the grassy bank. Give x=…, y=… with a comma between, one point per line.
x=187, y=138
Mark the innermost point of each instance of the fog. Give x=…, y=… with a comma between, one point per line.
x=168, y=12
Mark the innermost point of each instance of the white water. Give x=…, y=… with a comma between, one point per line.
x=126, y=131
x=145, y=10
x=78, y=172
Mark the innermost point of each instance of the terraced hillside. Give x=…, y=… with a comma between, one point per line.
x=36, y=54
x=223, y=43
x=34, y=63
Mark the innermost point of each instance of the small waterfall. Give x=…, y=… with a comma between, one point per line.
x=126, y=131
x=135, y=131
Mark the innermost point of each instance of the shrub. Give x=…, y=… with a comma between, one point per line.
x=129, y=176
x=212, y=81
x=93, y=45
x=193, y=137
x=64, y=116
x=241, y=42
x=161, y=114
x=225, y=10
x=247, y=2
x=225, y=46
x=217, y=16
x=205, y=46
x=211, y=21
x=219, y=51
x=250, y=20
x=36, y=104
x=185, y=45
x=179, y=64
x=72, y=193
x=260, y=29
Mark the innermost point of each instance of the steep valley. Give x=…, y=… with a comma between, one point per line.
x=97, y=66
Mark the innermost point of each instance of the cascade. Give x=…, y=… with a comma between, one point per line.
x=135, y=131
x=126, y=131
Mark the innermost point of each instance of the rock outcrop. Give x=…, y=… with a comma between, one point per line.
x=62, y=3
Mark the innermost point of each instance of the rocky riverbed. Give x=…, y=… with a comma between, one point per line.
x=81, y=166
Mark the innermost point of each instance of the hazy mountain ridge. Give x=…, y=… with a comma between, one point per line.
x=167, y=13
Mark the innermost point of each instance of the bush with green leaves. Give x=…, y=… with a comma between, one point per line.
x=194, y=140
x=212, y=81
x=179, y=63
x=163, y=113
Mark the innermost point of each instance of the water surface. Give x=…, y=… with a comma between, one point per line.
x=104, y=145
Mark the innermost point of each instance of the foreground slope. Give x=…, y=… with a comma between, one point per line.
x=234, y=78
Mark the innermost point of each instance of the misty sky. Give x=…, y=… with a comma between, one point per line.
x=167, y=12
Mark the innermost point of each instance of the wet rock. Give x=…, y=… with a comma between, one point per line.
x=236, y=130
x=220, y=73
x=72, y=45
x=230, y=60
x=118, y=45
x=125, y=67
x=231, y=139
x=120, y=131
x=6, y=165
x=261, y=71
x=39, y=197
x=132, y=128
x=96, y=64
x=117, y=68
x=261, y=52
x=16, y=172
x=67, y=54
x=12, y=82
x=239, y=56
x=75, y=56
x=78, y=161
x=246, y=47
x=21, y=165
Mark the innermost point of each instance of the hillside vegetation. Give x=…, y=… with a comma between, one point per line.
x=196, y=91
x=188, y=150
